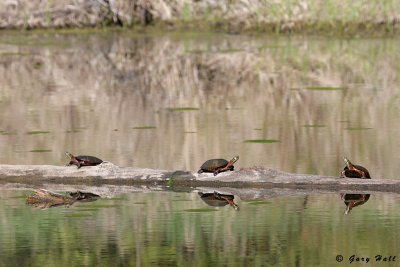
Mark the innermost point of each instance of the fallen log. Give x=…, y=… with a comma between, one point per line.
x=254, y=177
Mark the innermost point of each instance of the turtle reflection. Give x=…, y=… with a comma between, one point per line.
x=216, y=199
x=44, y=199
x=354, y=200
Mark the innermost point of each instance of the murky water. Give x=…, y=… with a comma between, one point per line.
x=120, y=97
x=180, y=229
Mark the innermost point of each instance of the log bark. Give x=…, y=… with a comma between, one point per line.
x=254, y=177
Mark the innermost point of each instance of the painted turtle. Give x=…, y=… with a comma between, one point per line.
x=86, y=196
x=80, y=161
x=354, y=200
x=218, y=165
x=218, y=200
x=354, y=171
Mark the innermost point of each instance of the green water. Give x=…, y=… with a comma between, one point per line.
x=178, y=229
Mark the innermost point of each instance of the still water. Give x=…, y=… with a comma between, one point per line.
x=171, y=101
x=180, y=229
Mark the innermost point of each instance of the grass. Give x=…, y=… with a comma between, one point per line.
x=330, y=17
x=266, y=141
x=40, y=150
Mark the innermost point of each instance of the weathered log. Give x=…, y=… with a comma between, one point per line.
x=255, y=177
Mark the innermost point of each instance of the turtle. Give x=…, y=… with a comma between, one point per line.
x=354, y=200
x=78, y=195
x=354, y=171
x=217, y=199
x=80, y=161
x=218, y=165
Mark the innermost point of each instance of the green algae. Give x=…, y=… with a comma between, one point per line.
x=266, y=141
x=183, y=109
x=146, y=127
x=37, y=132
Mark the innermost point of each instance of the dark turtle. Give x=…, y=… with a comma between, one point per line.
x=216, y=199
x=354, y=171
x=218, y=165
x=87, y=196
x=354, y=200
x=80, y=161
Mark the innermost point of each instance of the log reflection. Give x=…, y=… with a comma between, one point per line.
x=44, y=199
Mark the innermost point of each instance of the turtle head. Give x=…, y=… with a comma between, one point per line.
x=235, y=207
x=235, y=158
x=69, y=155
x=348, y=209
x=347, y=162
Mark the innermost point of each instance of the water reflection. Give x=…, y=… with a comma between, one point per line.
x=44, y=199
x=354, y=200
x=216, y=199
x=99, y=87
x=154, y=229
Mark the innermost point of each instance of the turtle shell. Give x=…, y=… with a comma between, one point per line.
x=215, y=199
x=88, y=160
x=78, y=195
x=354, y=174
x=212, y=165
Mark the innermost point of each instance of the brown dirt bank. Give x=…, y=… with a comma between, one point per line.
x=234, y=16
x=255, y=177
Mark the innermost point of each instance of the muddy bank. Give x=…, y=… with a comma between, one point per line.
x=255, y=177
x=235, y=16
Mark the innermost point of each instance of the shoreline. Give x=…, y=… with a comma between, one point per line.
x=324, y=29
x=236, y=17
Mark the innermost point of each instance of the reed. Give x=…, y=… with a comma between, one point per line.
x=320, y=16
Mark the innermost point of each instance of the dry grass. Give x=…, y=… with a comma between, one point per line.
x=268, y=15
